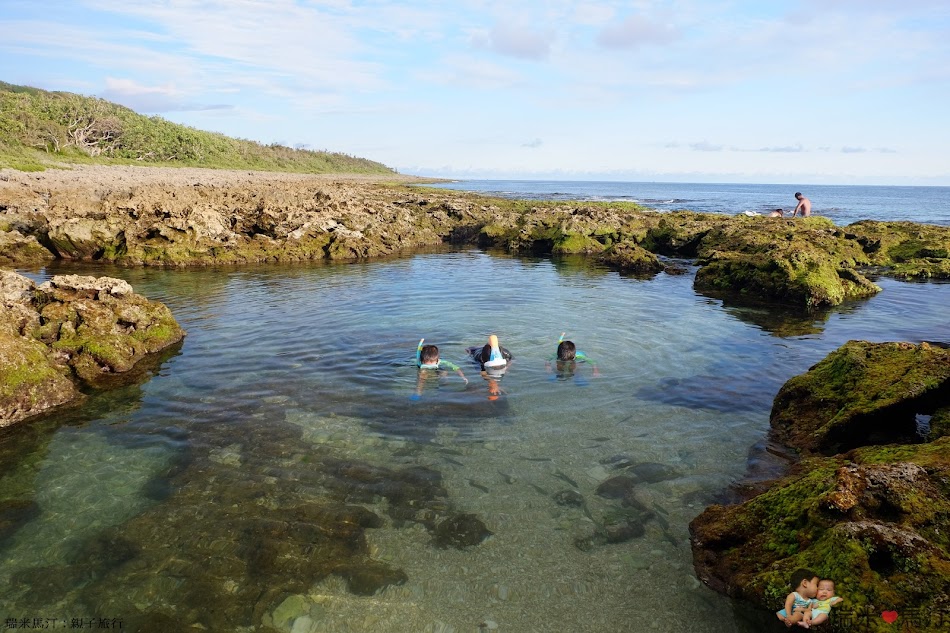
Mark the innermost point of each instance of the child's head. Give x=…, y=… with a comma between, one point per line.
x=826, y=589
x=429, y=355
x=566, y=350
x=805, y=582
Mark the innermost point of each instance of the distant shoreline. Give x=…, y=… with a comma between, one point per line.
x=119, y=175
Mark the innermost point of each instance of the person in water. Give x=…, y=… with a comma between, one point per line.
x=427, y=358
x=494, y=361
x=491, y=355
x=567, y=357
x=804, y=205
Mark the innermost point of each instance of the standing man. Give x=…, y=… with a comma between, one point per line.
x=804, y=205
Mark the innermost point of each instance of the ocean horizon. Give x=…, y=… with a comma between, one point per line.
x=843, y=204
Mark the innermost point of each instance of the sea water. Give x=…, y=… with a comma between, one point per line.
x=843, y=204
x=159, y=501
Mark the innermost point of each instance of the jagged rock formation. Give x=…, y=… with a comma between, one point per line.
x=68, y=331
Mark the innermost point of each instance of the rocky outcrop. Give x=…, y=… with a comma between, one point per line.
x=186, y=217
x=68, y=331
x=905, y=249
x=874, y=520
x=862, y=393
x=870, y=513
x=802, y=262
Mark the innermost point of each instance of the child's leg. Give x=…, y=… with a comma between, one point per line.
x=806, y=619
x=796, y=616
x=819, y=618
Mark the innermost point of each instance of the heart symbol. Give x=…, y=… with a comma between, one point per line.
x=889, y=616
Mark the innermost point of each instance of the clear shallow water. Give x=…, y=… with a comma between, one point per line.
x=191, y=497
x=842, y=204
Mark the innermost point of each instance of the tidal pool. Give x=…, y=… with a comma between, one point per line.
x=277, y=471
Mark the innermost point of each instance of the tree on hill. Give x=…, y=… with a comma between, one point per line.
x=72, y=126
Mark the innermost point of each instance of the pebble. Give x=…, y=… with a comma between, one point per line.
x=501, y=592
x=303, y=624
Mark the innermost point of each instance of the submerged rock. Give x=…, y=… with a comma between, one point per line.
x=863, y=393
x=461, y=530
x=369, y=577
x=569, y=498
x=652, y=472
x=619, y=487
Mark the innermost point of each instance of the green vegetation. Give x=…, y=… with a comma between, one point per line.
x=39, y=129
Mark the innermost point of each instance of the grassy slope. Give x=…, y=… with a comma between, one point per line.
x=39, y=129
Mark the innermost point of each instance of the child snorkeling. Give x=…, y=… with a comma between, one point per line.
x=427, y=358
x=494, y=360
x=566, y=359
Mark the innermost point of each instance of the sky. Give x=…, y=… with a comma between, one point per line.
x=762, y=91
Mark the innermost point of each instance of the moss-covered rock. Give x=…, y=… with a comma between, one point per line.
x=680, y=234
x=806, y=262
x=235, y=218
x=31, y=382
x=71, y=327
x=23, y=250
x=862, y=393
x=907, y=249
x=873, y=520
x=631, y=258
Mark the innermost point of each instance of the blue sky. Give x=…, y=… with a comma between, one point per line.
x=803, y=91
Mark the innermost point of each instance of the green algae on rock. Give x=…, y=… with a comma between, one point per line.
x=862, y=393
x=906, y=249
x=631, y=258
x=873, y=520
x=71, y=326
x=806, y=262
x=197, y=217
x=24, y=250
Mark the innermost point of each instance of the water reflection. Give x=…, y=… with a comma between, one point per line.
x=277, y=471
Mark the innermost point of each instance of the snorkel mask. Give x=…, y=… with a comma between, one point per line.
x=496, y=359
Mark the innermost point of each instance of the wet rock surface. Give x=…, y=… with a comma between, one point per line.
x=862, y=393
x=183, y=217
x=868, y=507
x=461, y=530
x=72, y=330
x=871, y=519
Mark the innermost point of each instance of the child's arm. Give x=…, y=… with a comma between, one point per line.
x=455, y=368
x=789, y=602
x=587, y=359
x=420, y=381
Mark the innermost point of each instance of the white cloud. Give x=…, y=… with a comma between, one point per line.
x=150, y=99
x=636, y=31
x=520, y=42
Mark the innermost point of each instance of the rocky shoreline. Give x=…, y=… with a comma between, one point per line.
x=166, y=217
x=865, y=504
